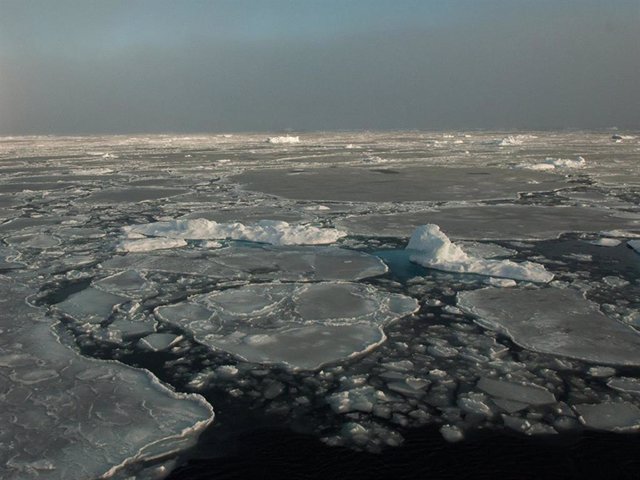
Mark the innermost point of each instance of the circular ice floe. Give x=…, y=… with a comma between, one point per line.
x=303, y=326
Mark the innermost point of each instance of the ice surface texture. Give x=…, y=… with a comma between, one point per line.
x=493, y=222
x=405, y=184
x=431, y=248
x=265, y=231
x=303, y=326
x=67, y=417
x=554, y=321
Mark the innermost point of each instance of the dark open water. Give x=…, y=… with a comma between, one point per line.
x=279, y=454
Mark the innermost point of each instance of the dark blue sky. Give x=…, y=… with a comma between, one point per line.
x=193, y=66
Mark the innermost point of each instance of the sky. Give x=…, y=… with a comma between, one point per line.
x=145, y=66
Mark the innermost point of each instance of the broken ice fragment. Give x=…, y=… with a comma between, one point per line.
x=517, y=392
x=613, y=416
x=90, y=305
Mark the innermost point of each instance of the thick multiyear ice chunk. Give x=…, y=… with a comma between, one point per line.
x=266, y=231
x=431, y=248
x=300, y=325
x=66, y=417
x=554, y=321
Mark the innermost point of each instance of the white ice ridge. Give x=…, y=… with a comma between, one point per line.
x=149, y=244
x=285, y=139
x=264, y=231
x=431, y=248
x=514, y=140
x=552, y=163
x=300, y=325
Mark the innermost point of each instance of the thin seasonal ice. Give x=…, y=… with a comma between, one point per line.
x=272, y=272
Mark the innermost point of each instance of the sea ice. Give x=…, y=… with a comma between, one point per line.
x=431, y=248
x=635, y=244
x=554, y=321
x=303, y=326
x=265, y=231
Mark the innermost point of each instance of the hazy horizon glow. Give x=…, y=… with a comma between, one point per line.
x=194, y=66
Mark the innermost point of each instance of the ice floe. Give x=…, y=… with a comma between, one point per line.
x=431, y=248
x=265, y=231
x=554, y=321
x=303, y=326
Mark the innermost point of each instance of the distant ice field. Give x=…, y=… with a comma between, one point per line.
x=350, y=286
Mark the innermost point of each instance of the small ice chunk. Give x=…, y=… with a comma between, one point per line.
x=451, y=433
x=635, y=244
x=500, y=282
x=614, y=281
x=361, y=399
x=431, y=248
x=601, y=372
x=612, y=416
x=606, y=242
x=518, y=392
